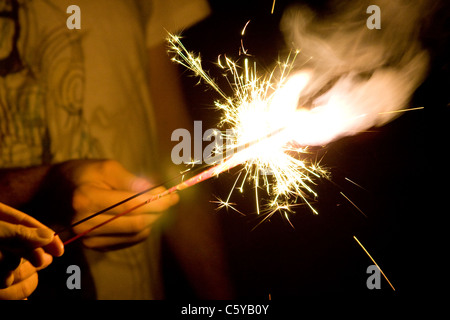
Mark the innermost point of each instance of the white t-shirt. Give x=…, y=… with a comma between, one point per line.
x=71, y=94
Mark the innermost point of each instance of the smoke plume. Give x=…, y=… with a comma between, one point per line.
x=359, y=77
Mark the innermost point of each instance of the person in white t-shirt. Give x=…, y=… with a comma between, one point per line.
x=71, y=98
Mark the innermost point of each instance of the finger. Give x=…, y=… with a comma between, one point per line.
x=19, y=237
x=39, y=258
x=55, y=248
x=20, y=241
x=7, y=280
x=8, y=261
x=21, y=273
x=24, y=271
x=11, y=215
x=159, y=205
x=115, y=242
x=126, y=225
x=89, y=198
x=119, y=178
x=20, y=290
x=26, y=268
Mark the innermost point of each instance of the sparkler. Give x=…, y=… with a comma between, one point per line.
x=268, y=136
x=262, y=115
x=269, y=133
x=229, y=163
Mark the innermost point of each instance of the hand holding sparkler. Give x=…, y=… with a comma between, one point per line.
x=26, y=246
x=97, y=184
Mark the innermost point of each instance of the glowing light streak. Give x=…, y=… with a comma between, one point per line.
x=374, y=262
x=357, y=208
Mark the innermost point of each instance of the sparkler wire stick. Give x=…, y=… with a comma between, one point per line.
x=210, y=159
x=118, y=204
x=251, y=99
x=108, y=208
x=183, y=185
x=105, y=222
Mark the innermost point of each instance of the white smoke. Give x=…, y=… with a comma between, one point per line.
x=359, y=76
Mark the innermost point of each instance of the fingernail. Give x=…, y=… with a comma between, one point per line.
x=45, y=233
x=46, y=259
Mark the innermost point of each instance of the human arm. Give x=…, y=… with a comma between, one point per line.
x=18, y=186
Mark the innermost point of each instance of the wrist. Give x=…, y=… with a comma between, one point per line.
x=20, y=185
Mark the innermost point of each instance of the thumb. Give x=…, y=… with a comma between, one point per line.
x=23, y=241
x=15, y=236
x=119, y=178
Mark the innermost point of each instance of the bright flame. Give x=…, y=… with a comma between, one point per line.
x=266, y=110
x=263, y=109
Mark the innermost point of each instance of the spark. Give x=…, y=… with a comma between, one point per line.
x=368, y=254
x=225, y=204
x=401, y=110
x=245, y=27
x=353, y=204
x=356, y=184
x=260, y=105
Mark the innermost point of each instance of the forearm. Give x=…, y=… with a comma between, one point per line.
x=18, y=186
